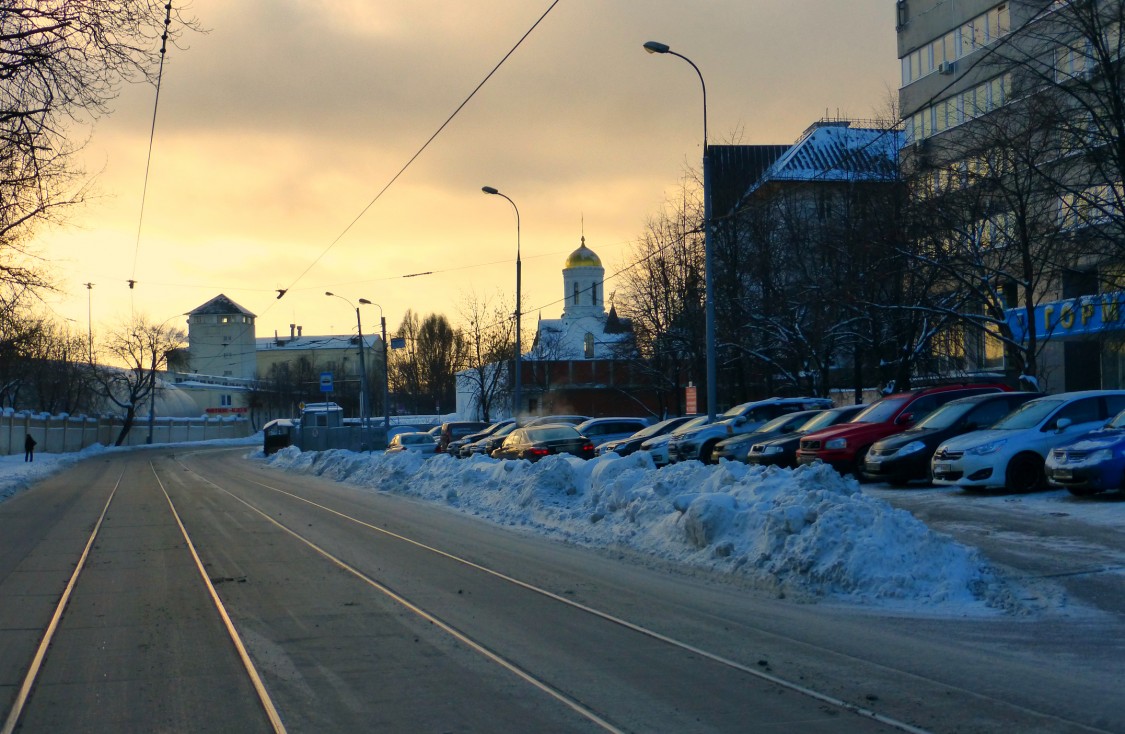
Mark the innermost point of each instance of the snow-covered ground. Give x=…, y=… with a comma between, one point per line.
x=807, y=533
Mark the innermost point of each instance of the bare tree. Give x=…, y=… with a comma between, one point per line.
x=662, y=295
x=62, y=63
x=488, y=348
x=135, y=351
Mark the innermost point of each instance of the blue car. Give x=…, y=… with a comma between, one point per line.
x=1093, y=463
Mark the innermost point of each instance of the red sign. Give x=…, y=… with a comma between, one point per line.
x=224, y=411
x=691, y=404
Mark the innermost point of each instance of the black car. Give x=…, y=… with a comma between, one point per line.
x=453, y=430
x=489, y=443
x=737, y=447
x=906, y=456
x=535, y=442
x=626, y=446
x=782, y=451
x=456, y=445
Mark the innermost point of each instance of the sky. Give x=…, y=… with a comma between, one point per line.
x=809, y=533
x=280, y=125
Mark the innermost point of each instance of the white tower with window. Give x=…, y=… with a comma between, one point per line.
x=583, y=284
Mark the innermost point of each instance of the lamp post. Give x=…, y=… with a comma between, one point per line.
x=386, y=370
x=516, y=399
x=655, y=47
x=362, y=362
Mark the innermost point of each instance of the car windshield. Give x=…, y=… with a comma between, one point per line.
x=945, y=416
x=776, y=423
x=654, y=429
x=416, y=438
x=818, y=421
x=1118, y=421
x=880, y=411
x=1029, y=414
x=737, y=410
x=693, y=423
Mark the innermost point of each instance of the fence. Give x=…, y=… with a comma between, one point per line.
x=57, y=434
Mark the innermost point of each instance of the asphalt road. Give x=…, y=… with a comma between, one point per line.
x=361, y=611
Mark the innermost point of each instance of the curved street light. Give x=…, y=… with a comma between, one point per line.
x=655, y=47
x=362, y=362
x=386, y=369
x=516, y=398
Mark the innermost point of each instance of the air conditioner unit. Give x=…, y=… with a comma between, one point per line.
x=945, y=67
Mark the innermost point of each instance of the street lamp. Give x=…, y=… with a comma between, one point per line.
x=362, y=361
x=655, y=47
x=386, y=371
x=516, y=404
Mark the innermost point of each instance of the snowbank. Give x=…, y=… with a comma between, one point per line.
x=808, y=533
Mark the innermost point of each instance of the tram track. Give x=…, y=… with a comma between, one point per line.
x=46, y=660
x=724, y=662
x=1051, y=720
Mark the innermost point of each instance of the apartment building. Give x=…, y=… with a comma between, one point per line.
x=1012, y=132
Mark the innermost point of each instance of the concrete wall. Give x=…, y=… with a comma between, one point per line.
x=61, y=433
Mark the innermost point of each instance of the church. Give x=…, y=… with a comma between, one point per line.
x=585, y=362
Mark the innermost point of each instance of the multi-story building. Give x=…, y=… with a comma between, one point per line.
x=1013, y=152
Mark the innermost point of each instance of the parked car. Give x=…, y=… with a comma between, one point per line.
x=737, y=447
x=782, y=451
x=601, y=430
x=416, y=441
x=489, y=443
x=843, y=447
x=453, y=430
x=455, y=446
x=535, y=442
x=1010, y=455
x=1094, y=463
x=698, y=443
x=906, y=456
x=629, y=444
x=543, y=420
x=657, y=446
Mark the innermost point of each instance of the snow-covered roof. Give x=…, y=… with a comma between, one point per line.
x=220, y=305
x=839, y=150
x=346, y=341
x=565, y=339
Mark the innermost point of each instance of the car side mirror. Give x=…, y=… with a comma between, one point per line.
x=1062, y=424
x=905, y=418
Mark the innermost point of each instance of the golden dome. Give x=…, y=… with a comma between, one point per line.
x=583, y=257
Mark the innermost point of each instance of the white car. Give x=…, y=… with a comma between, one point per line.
x=657, y=446
x=1010, y=454
x=422, y=443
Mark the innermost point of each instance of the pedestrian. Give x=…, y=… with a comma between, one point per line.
x=29, y=448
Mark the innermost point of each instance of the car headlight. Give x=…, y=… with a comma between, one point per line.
x=770, y=450
x=987, y=448
x=911, y=448
x=836, y=443
x=1099, y=456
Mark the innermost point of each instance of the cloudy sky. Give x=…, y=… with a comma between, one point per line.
x=282, y=123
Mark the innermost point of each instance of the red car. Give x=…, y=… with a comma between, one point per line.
x=844, y=446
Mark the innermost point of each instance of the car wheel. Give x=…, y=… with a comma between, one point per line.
x=705, y=453
x=857, y=464
x=1024, y=474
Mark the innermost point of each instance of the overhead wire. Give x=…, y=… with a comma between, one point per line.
x=420, y=150
x=132, y=281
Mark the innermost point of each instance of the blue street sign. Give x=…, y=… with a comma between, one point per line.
x=326, y=382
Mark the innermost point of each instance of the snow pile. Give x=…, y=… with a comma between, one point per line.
x=807, y=532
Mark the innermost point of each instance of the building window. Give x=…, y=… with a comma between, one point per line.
x=976, y=34
x=575, y=294
x=588, y=343
x=593, y=294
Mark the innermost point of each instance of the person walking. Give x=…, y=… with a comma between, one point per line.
x=29, y=448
